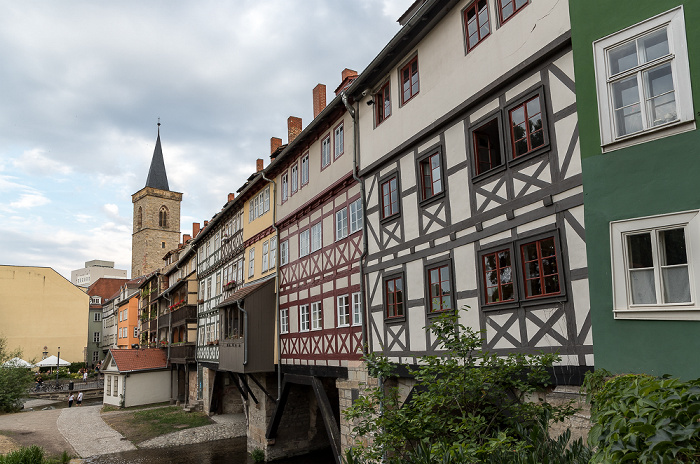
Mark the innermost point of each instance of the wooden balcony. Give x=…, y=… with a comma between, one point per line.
x=184, y=314
x=181, y=354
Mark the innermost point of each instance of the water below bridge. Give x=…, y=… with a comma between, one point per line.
x=214, y=452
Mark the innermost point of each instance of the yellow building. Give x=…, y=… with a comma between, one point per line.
x=39, y=307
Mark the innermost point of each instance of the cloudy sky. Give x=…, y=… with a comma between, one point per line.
x=83, y=83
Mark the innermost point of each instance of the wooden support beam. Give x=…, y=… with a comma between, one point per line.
x=252, y=377
x=279, y=409
x=328, y=417
x=250, y=392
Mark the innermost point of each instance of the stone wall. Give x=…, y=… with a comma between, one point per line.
x=192, y=393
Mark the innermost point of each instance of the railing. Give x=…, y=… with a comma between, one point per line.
x=183, y=313
x=184, y=351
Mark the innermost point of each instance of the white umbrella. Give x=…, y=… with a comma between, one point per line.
x=52, y=361
x=17, y=362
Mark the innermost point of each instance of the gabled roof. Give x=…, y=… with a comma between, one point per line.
x=157, y=178
x=105, y=287
x=241, y=293
x=139, y=360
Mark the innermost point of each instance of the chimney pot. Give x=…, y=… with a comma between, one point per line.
x=348, y=75
x=186, y=238
x=259, y=165
x=206, y=223
x=231, y=196
x=195, y=229
x=293, y=128
x=275, y=143
x=319, y=94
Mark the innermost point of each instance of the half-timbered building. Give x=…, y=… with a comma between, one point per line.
x=469, y=157
x=319, y=217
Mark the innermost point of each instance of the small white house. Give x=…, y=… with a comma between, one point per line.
x=135, y=377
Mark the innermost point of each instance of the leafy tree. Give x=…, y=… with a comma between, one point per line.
x=14, y=381
x=468, y=405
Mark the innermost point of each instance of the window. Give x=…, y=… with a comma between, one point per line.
x=265, y=200
x=326, y=152
x=440, y=288
x=284, y=253
x=356, y=308
x=540, y=269
x=507, y=8
x=338, y=139
x=305, y=169
x=527, y=127
x=95, y=356
x=316, y=316
x=341, y=224
x=498, y=276
x=108, y=390
x=652, y=267
x=304, y=243
x=95, y=300
x=251, y=262
x=126, y=313
x=343, y=305
x=115, y=392
x=393, y=296
x=162, y=245
x=355, y=215
x=487, y=146
x=96, y=337
x=409, y=81
x=284, y=320
x=295, y=179
x=382, y=103
x=136, y=332
x=304, y=318
x=273, y=252
x=431, y=176
x=285, y=184
x=643, y=79
x=390, y=197
x=476, y=23
x=97, y=317
x=316, y=240
x=265, y=254
x=139, y=219
x=163, y=217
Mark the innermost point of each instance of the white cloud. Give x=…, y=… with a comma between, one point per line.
x=30, y=200
x=35, y=161
x=111, y=210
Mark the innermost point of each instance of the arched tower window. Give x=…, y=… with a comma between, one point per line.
x=163, y=217
x=139, y=219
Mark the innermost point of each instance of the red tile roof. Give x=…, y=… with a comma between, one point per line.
x=105, y=287
x=139, y=360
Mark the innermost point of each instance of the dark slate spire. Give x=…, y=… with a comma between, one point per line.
x=156, y=174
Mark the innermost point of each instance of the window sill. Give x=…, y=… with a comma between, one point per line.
x=488, y=174
x=395, y=320
x=388, y=219
x=650, y=135
x=434, y=314
x=664, y=313
x=434, y=199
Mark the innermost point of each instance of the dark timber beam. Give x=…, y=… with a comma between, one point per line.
x=328, y=417
x=277, y=413
x=255, y=381
x=247, y=388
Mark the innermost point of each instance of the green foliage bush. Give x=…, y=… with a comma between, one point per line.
x=258, y=455
x=467, y=406
x=645, y=419
x=14, y=381
x=32, y=455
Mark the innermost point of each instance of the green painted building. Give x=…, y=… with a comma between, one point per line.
x=637, y=69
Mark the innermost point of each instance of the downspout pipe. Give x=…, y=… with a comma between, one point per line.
x=355, y=156
x=245, y=332
x=277, y=287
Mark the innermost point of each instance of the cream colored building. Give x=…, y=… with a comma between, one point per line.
x=39, y=307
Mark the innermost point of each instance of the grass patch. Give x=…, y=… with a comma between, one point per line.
x=112, y=408
x=142, y=425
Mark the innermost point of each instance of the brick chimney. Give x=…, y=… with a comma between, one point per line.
x=186, y=238
x=347, y=76
x=319, y=93
x=231, y=196
x=206, y=223
x=275, y=143
x=293, y=128
x=259, y=166
x=195, y=229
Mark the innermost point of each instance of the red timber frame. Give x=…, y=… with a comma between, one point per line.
x=333, y=263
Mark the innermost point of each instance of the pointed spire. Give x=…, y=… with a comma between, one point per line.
x=157, y=178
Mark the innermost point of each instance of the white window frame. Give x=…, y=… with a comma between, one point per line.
x=295, y=179
x=305, y=169
x=343, y=310
x=304, y=243
x=304, y=318
x=338, y=141
x=136, y=332
x=265, y=253
x=356, y=308
x=619, y=230
x=326, y=152
x=284, y=320
x=316, y=237
x=341, y=224
x=316, y=316
x=97, y=317
x=285, y=183
x=273, y=252
x=678, y=57
x=96, y=337
x=284, y=252
x=355, y=213
x=108, y=390
x=266, y=200
x=251, y=262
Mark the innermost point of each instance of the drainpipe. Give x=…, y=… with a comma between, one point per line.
x=355, y=156
x=277, y=299
x=245, y=332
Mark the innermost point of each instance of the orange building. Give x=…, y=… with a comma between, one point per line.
x=127, y=325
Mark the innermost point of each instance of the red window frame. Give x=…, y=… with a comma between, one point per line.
x=539, y=275
x=528, y=133
x=395, y=308
x=493, y=149
x=476, y=18
x=437, y=287
x=410, y=82
x=502, y=4
x=382, y=103
x=389, y=207
x=499, y=276
x=430, y=176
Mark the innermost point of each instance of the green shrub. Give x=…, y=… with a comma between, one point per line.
x=258, y=455
x=30, y=455
x=14, y=381
x=640, y=418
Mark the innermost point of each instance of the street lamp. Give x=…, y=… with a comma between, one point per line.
x=58, y=363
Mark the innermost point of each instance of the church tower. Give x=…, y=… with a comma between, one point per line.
x=156, y=218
